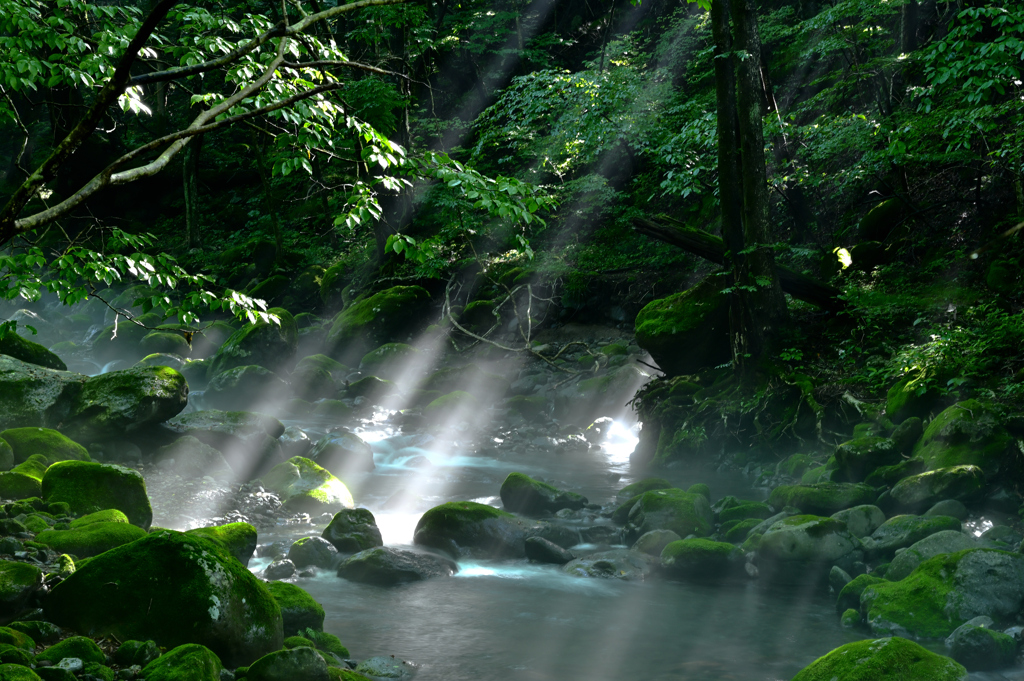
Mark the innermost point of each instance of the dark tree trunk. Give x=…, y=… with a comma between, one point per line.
x=190, y=182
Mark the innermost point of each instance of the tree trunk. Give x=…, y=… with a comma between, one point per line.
x=190, y=182
x=275, y=220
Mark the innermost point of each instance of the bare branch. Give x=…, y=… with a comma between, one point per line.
x=321, y=63
x=21, y=126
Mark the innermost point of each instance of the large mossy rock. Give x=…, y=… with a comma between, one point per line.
x=822, y=498
x=684, y=513
x=640, y=486
x=24, y=480
x=946, y=541
x=18, y=581
x=389, y=361
x=245, y=387
x=238, y=539
x=31, y=395
x=248, y=441
x=298, y=609
x=945, y=592
x=352, y=530
x=188, y=662
x=6, y=455
x=51, y=444
x=522, y=494
x=924, y=490
x=914, y=395
x=806, y=539
x=110, y=405
x=380, y=318
x=466, y=527
x=701, y=559
x=17, y=672
x=968, y=433
x=92, y=539
x=305, y=487
x=622, y=564
x=687, y=331
x=266, y=344
x=342, y=453
x=857, y=458
x=18, y=347
x=87, y=487
x=902, y=531
x=288, y=665
x=879, y=659
x=386, y=566
x=172, y=588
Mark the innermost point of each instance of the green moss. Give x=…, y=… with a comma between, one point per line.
x=744, y=510
x=265, y=344
x=14, y=345
x=331, y=366
x=92, y=539
x=172, y=588
x=850, y=595
x=378, y=318
x=189, y=662
x=451, y=404
x=822, y=498
x=99, y=672
x=18, y=639
x=456, y=513
x=110, y=405
x=110, y=515
x=38, y=631
x=700, y=558
x=701, y=489
x=912, y=396
x=82, y=647
x=298, y=609
x=238, y=539
x=736, y=531
x=671, y=509
x=916, y=603
x=640, y=486
x=327, y=642
x=527, y=406
x=385, y=356
x=968, y=433
x=89, y=487
x=53, y=445
x=36, y=523
x=795, y=465
x=884, y=658
x=298, y=642
x=306, y=487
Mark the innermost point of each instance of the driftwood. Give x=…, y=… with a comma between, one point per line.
x=710, y=247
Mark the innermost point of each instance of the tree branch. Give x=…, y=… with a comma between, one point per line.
x=345, y=64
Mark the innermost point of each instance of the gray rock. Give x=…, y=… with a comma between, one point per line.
x=616, y=564
x=386, y=566
x=280, y=569
x=861, y=521
x=243, y=388
x=947, y=541
x=807, y=538
x=838, y=578
x=295, y=442
x=979, y=648
x=247, y=440
x=289, y=665
x=541, y=550
x=315, y=551
x=767, y=524
x=652, y=543
x=342, y=453
x=31, y=395
x=18, y=581
x=950, y=507
x=71, y=664
x=905, y=530
x=383, y=667
x=190, y=458
x=522, y=494
x=352, y=530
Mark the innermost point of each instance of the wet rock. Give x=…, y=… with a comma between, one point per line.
x=280, y=569
x=31, y=395
x=682, y=512
x=968, y=433
x=18, y=581
x=884, y=658
x=51, y=444
x=946, y=541
x=18, y=347
x=615, y=564
x=305, y=487
x=950, y=507
x=287, y=665
x=652, y=543
x=247, y=387
x=110, y=405
x=861, y=521
x=918, y=492
x=745, y=510
x=189, y=662
x=92, y=539
x=541, y=550
x=858, y=457
x=352, y=530
x=979, y=648
x=907, y=434
x=702, y=559
x=265, y=344
x=696, y=319
x=386, y=566
x=806, y=539
x=466, y=527
x=172, y=588
x=137, y=652
x=190, y=458
x=88, y=487
x=295, y=442
x=298, y=609
x=248, y=441
x=383, y=667
x=238, y=539
x=822, y=498
x=522, y=494
x=315, y=551
x=903, y=530
x=342, y=453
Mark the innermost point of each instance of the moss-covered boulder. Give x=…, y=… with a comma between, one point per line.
x=39, y=631
x=110, y=405
x=17, y=672
x=286, y=665
x=312, y=382
x=946, y=591
x=352, y=530
x=924, y=490
x=884, y=658
x=31, y=395
x=88, y=486
x=857, y=458
x=849, y=595
x=110, y=515
x=18, y=581
x=979, y=648
x=188, y=662
x=389, y=360
x=172, y=588
x=342, y=453
x=244, y=387
x=6, y=456
x=968, y=433
x=267, y=344
x=687, y=331
x=206, y=343
x=822, y=498
x=466, y=527
x=322, y=362
x=684, y=513
x=52, y=444
x=522, y=494
x=946, y=541
x=701, y=559
x=92, y=539
x=640, y=486
x=190, y=458
x=24, y=480
x=298, y=609
x=380, y=318
x=454, y=406
x=468, y=378
x=387, y=566
x=238, y=539
x=861, y=520
x=19, y=347
x=166, y=342
x=248, y=441
x=914, y=395
x=82, y=647
x=806, y=539
x=901, y=531
x=745, y=510
x=306, y=487
x=622, y=564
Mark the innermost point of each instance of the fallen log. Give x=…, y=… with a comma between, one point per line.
x=711, y=247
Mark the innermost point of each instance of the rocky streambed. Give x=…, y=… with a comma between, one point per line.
x=476, y=515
